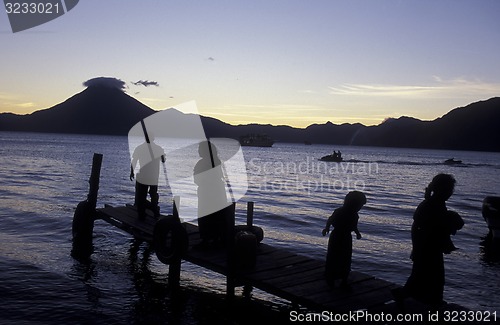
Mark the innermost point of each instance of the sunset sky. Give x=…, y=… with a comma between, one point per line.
x=279, y=62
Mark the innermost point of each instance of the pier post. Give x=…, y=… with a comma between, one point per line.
x=247, y=289
x=250, y=213
x=95, y=174
x=174, y=268
x=230, y=278
x=83, y=219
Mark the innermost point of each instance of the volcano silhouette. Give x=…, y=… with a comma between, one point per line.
x=96, y=110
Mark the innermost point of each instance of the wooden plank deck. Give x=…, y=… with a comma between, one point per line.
x=294, y=277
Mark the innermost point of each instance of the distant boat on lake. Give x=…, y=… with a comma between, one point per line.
x=256, y=140
x=335, y=157
x=452, y=161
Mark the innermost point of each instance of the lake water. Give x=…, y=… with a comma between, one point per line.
x=44, y=176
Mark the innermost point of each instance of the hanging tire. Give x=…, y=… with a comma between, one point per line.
x=82, y=230
x=257, y=231
x=245, y=249
x=170, y=240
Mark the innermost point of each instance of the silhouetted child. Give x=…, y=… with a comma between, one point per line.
x=344, y=220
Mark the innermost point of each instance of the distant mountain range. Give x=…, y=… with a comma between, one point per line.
x=105, y=110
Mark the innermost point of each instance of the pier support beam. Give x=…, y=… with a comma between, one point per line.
x=247, y=289
x=249, y=213
x=230, y=278
x=174, y=268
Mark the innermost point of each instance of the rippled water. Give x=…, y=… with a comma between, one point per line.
x=44, y=176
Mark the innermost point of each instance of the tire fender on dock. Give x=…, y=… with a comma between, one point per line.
x=82, y=230
x=170, y=240
x=257, y=231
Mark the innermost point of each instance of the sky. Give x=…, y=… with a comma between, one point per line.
x=280, y=62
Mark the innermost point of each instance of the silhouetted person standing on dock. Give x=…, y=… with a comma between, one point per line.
x=212, y=198
x=149, y=155
x=430, y=235
x=344, y=221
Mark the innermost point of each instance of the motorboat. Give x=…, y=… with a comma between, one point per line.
x=335, y=157
x=256, y=140
x=452, y=161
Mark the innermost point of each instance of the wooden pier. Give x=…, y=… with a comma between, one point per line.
x=294, y=277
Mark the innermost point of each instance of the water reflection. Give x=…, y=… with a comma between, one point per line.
x=490, y=251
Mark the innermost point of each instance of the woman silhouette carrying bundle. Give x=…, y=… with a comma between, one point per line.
x=430, y=234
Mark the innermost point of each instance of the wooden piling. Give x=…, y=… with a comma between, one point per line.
x=174, y=268
x=250, y=213
x=95, y=175
x=247, y=289
x=230, y=277
x=83, y=219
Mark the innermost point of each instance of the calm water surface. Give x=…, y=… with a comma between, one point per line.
x=44, y=176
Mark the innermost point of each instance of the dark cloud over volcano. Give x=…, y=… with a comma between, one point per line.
x=108, y=82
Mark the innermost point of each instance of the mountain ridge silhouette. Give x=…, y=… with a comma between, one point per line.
x=110, y=111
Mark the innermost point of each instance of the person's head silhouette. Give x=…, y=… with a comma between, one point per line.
x=441, y=187
x=355, y=200
x=207, y=150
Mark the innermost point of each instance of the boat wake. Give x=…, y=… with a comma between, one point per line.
x=420, y=163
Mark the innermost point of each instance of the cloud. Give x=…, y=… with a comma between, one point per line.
x=146, y=83
x=108, y=82
x=307, y=91
x=14, y=102
x=380, y=90
x=438, y=88
x=26, y=105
